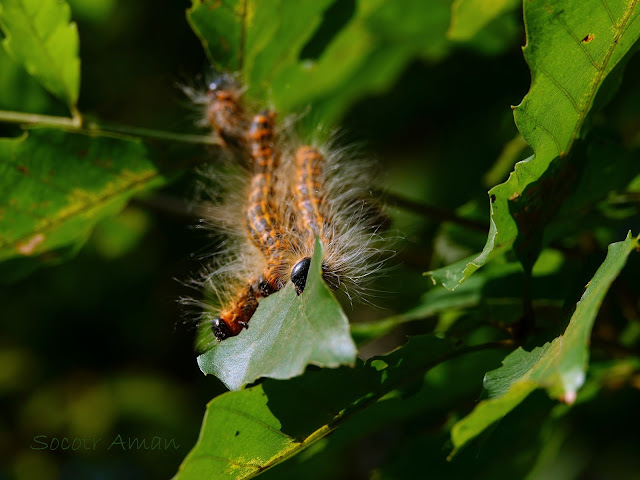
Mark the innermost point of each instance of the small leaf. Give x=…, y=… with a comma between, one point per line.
x=246, y=35
x=55, y=186
x=559, y=367
x=468, y=17
x=40, y=36
x=358, y=50
x=572, y=48
x=248, y=431
x=287, y=333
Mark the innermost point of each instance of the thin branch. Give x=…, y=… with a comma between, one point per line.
x=37, y=119
x=75, y=123
x=437, y=213
x=157, y=134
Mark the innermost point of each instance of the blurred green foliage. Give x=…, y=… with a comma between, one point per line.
x=93, y=346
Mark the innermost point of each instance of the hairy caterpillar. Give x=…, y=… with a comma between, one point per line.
x=291, y=195
x=263, y=220
x=263, y=228
x=221, y=109
x=332, y=203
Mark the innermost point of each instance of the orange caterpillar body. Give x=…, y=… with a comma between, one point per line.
x=226, y=114
x=221, y=109
x=308, y=190
x=332, y=203
x=262, y=219
x=264, y=228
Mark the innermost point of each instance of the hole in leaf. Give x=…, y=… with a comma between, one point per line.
x=333, y=20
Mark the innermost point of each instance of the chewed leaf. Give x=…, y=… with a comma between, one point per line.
x=559, y=367
x=572, y=49
x=287, y=333
x=40, y=36
x=55, y=186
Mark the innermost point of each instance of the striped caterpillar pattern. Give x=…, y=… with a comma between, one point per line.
x=292, y=196
x=265, y=228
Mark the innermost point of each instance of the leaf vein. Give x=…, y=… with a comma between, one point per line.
x=606, y=6
x=541, y=127
x=630, y=23
x=86, y=206
x=578, y=42
x=226, y=460
x=562, y=89
x=601, y=72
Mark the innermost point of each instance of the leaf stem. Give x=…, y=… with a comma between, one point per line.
x=38, y=119
x=75, y=123
x=156, y=134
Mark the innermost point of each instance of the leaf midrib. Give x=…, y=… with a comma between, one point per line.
x=83, y=207
x=620, y=29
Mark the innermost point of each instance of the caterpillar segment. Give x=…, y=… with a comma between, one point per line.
x=236, y=316
x=313, y=218
x=226, y=114
x=265, y=228
x=308, y=192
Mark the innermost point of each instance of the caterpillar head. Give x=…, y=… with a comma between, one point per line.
x=220, y=329
x=299, y=274
x=300, y=271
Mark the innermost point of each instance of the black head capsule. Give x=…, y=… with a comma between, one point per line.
x=220, y=329
x=299, y=274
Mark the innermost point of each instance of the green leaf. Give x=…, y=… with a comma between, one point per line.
x=468, y=17
x=320, y=52
x=21, y=91
x=55, y=186
x=248, y=431
x=287, y=333
x=572, y=47
x=40, y=36
x=559, y=367
x=365, y=57
x=246, y=35
x=396, y=410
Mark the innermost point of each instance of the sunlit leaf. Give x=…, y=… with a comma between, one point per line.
x=559, y=367
x=40, y=36
x=572, y=48
x=468, y=17
x=324, y=53
x=55, y=186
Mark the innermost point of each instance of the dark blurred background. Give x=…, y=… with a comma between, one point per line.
x=96, y=347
